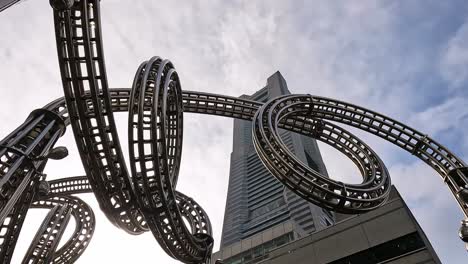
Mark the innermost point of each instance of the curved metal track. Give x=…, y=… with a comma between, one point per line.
x=84, y=217
x=155, y=140
x=148, y=199
x=48, y=236
x=19, y=172
x=85, y=224
x=310, y=184
x=297, y=121
x=82, y=67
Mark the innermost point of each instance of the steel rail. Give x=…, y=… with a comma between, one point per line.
x=69, y=186
x=82, y=68
x=48, y=236
x=189, y=209
x=427, y=149
x=310, y=184
x=203, y=103
x=155, y=141
x=20, y=171
x=85, y=223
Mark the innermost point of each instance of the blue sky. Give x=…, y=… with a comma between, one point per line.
x=405, y=59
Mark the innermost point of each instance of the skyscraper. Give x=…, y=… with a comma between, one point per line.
x=256, y=201
x=266, y=223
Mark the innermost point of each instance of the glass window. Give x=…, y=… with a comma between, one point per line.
x=260, y=252
x=257, y=252
x=328, y=213
x=385, y=251
x=269, y=246
x=281, y=241
x=311, y=162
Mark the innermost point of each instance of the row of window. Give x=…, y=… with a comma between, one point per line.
x=377, y=254
x=264, y=223
x=267, y=180
x=259, y=252
x=262, y=199
x=268, y=207
x=264, y=190
x=328, y=213
x=385, y=251
x=257, y=172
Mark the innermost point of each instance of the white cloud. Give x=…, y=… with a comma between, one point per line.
x=444, y=116
x=454, y=61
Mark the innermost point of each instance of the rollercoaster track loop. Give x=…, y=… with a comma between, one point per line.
x=48, y=235
x=155, y=131
x=310, y=184
x=79, y=184
x=361, y=154
x=85, y=221
x=196, y=216
x=82, y=68
x=416, y=143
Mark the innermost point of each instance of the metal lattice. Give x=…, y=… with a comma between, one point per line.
x=147, y=200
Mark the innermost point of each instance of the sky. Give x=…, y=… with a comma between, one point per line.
x=405, y=59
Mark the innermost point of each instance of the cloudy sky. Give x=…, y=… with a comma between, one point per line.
x=406, y=59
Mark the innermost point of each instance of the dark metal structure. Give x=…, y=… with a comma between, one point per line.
x=4, y=4
x=146, y=199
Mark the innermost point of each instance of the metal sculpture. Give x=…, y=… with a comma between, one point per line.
x=4, y=4
x=147, y=200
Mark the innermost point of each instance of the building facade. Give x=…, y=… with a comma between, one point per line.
x=256, y=201
x=389, y=234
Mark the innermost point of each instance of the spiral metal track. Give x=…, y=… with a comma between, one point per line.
x=85, y=223
x=147, y=200
x=48, y=236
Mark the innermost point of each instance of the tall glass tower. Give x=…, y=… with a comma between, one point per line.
x=256, y=201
